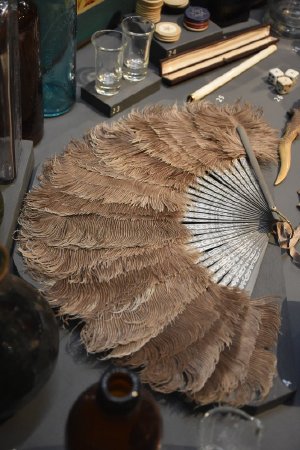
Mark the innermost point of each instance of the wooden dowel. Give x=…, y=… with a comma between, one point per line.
x=231, y=74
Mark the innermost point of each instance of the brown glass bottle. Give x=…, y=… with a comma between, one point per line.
x=114, y=414
x=30, y=72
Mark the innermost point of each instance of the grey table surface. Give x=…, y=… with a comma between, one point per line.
x=40, y=424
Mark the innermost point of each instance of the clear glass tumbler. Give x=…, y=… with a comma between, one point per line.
x=109, y=50
x=227, y=428
x=138, y=33
x=58, y=19
x=284, y=17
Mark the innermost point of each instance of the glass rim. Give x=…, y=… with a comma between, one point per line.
x=100, y=33
x=143, y=20
x=236, y=411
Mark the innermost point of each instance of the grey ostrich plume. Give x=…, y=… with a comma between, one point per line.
x=106, y=233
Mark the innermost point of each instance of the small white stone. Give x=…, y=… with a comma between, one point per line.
x=284, y=85
x=274, y=74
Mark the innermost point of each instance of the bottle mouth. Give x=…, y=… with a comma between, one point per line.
x=119, y=389
x=120, y=385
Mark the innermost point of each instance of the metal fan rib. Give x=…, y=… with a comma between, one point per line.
x=229, y=220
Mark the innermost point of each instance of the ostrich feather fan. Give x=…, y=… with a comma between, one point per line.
x=108, y=233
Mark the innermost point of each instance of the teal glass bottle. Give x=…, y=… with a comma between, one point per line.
x=58, y=20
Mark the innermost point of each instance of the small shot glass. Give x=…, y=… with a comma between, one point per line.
x=138, y=33
x=109, y=53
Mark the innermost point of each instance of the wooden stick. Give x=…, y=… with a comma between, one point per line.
x=231, y=74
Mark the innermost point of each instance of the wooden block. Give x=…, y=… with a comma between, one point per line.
x=130, y=93
x=188, y=40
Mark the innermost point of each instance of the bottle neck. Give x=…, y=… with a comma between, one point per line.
x=119, y=391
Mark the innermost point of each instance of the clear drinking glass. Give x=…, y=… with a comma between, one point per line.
x=138, y=33
x=109, y=51
x=227, y=428
x=284, y=17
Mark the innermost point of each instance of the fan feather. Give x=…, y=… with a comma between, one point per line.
x=103, y=232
